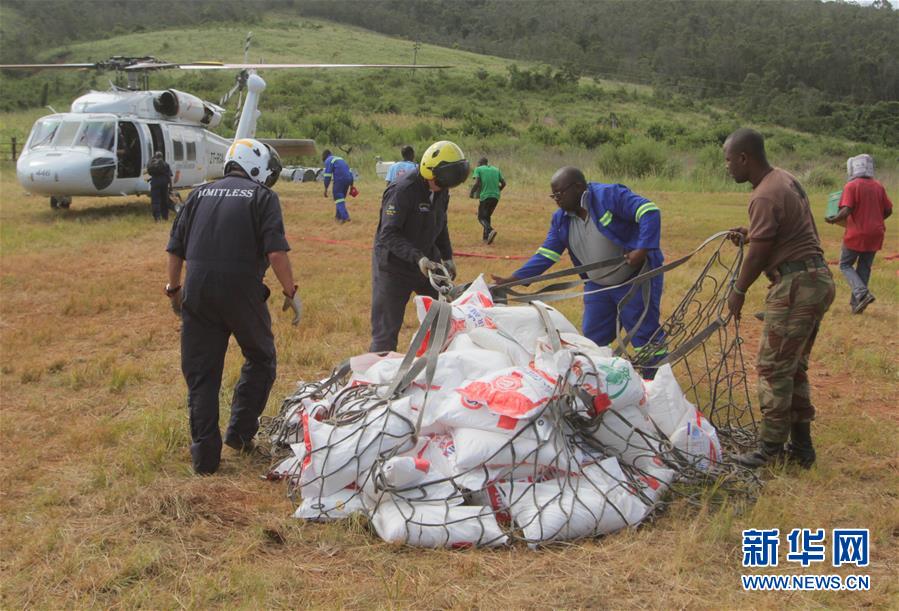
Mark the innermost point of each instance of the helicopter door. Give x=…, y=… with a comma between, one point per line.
x=157, y=138
x=128, y=151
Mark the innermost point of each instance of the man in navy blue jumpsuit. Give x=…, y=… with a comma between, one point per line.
x=412, y=239
x=160, y=184
x=228, y=232
x=597, y=221
x=337, y=170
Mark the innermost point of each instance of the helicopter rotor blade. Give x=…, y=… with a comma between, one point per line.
x=224, y=99
x=221, y=66
x=45, y=66
x=143, y=64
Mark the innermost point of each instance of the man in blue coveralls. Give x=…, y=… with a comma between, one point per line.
x=597, y=221
x=336, y=169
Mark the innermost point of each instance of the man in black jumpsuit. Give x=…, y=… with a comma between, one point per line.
x=412, y=238
x=229, y=231
x=160, y=184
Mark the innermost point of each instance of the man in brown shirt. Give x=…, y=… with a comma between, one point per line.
x=784, y=244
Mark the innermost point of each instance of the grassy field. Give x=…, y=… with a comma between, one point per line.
x=100, y=509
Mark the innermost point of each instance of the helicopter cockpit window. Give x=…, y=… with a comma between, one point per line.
x=43, y=133
x=65, y=135
x=97, y=134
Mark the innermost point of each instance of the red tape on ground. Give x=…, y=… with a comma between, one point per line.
x=456, y=253
x=477, y=255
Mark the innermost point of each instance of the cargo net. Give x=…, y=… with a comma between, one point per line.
x=503, y=423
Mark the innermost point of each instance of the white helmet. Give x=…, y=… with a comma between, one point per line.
x=258, y=160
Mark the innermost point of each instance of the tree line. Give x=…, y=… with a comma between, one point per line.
x=825, y=67
x=28, y=27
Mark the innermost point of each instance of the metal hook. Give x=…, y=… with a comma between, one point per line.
x=440, y=279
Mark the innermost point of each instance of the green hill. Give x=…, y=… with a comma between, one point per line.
x=531, y=117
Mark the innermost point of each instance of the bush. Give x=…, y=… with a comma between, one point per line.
x=335, y=128
x=482, y=126
x=386, y=106
x=665, y=132
x=636, y=159
x=588, y=134
x=547, y=136
x=821, y=177
x=426, y=131
x=454, y=111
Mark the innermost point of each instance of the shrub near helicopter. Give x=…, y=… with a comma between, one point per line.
x=102, y=146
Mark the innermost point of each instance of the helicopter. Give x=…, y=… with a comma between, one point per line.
x=101, y=147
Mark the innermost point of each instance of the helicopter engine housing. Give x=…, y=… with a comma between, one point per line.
x=177, y=104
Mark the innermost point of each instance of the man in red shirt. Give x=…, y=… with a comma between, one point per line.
x=864, y=205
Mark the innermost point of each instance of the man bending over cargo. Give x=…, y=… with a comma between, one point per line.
x=596, y=222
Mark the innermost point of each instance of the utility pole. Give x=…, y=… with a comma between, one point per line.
x=415, y=48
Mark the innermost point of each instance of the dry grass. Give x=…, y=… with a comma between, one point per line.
x=100, y=509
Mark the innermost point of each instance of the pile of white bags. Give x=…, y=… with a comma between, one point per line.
x=523, y=429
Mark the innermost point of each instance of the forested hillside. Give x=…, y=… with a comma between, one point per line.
x=533, y=116
x=28, y=27
x=826, y=67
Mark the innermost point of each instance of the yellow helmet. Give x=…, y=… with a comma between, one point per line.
x=444, y=163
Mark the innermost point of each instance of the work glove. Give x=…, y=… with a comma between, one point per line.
x=293, y=302
x=426, y=265
x=450, y=266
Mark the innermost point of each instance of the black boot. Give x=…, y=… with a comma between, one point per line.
x=766, y=453
x=800, y=450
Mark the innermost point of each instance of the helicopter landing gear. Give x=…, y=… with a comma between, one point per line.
x=60, y=202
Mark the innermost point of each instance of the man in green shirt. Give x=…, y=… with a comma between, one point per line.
x=488, y=183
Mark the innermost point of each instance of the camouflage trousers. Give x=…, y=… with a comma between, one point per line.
x=795, y=305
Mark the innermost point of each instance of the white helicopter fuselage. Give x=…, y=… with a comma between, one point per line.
x=102, y=147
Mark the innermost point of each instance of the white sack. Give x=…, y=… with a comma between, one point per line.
x=436, y=525
x=571, y=508
x=414, y=478
x=493, y=339
x=860, y=166
x=688, y=430
x=337, y=506
x=468, y=312
x=525, y=324
x=477, y=448
x=335, y=456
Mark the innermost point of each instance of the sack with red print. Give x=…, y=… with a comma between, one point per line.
x=468, y=312
x=688, y=430
x=335, y=456
x=336, y=506
x=414, y=478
